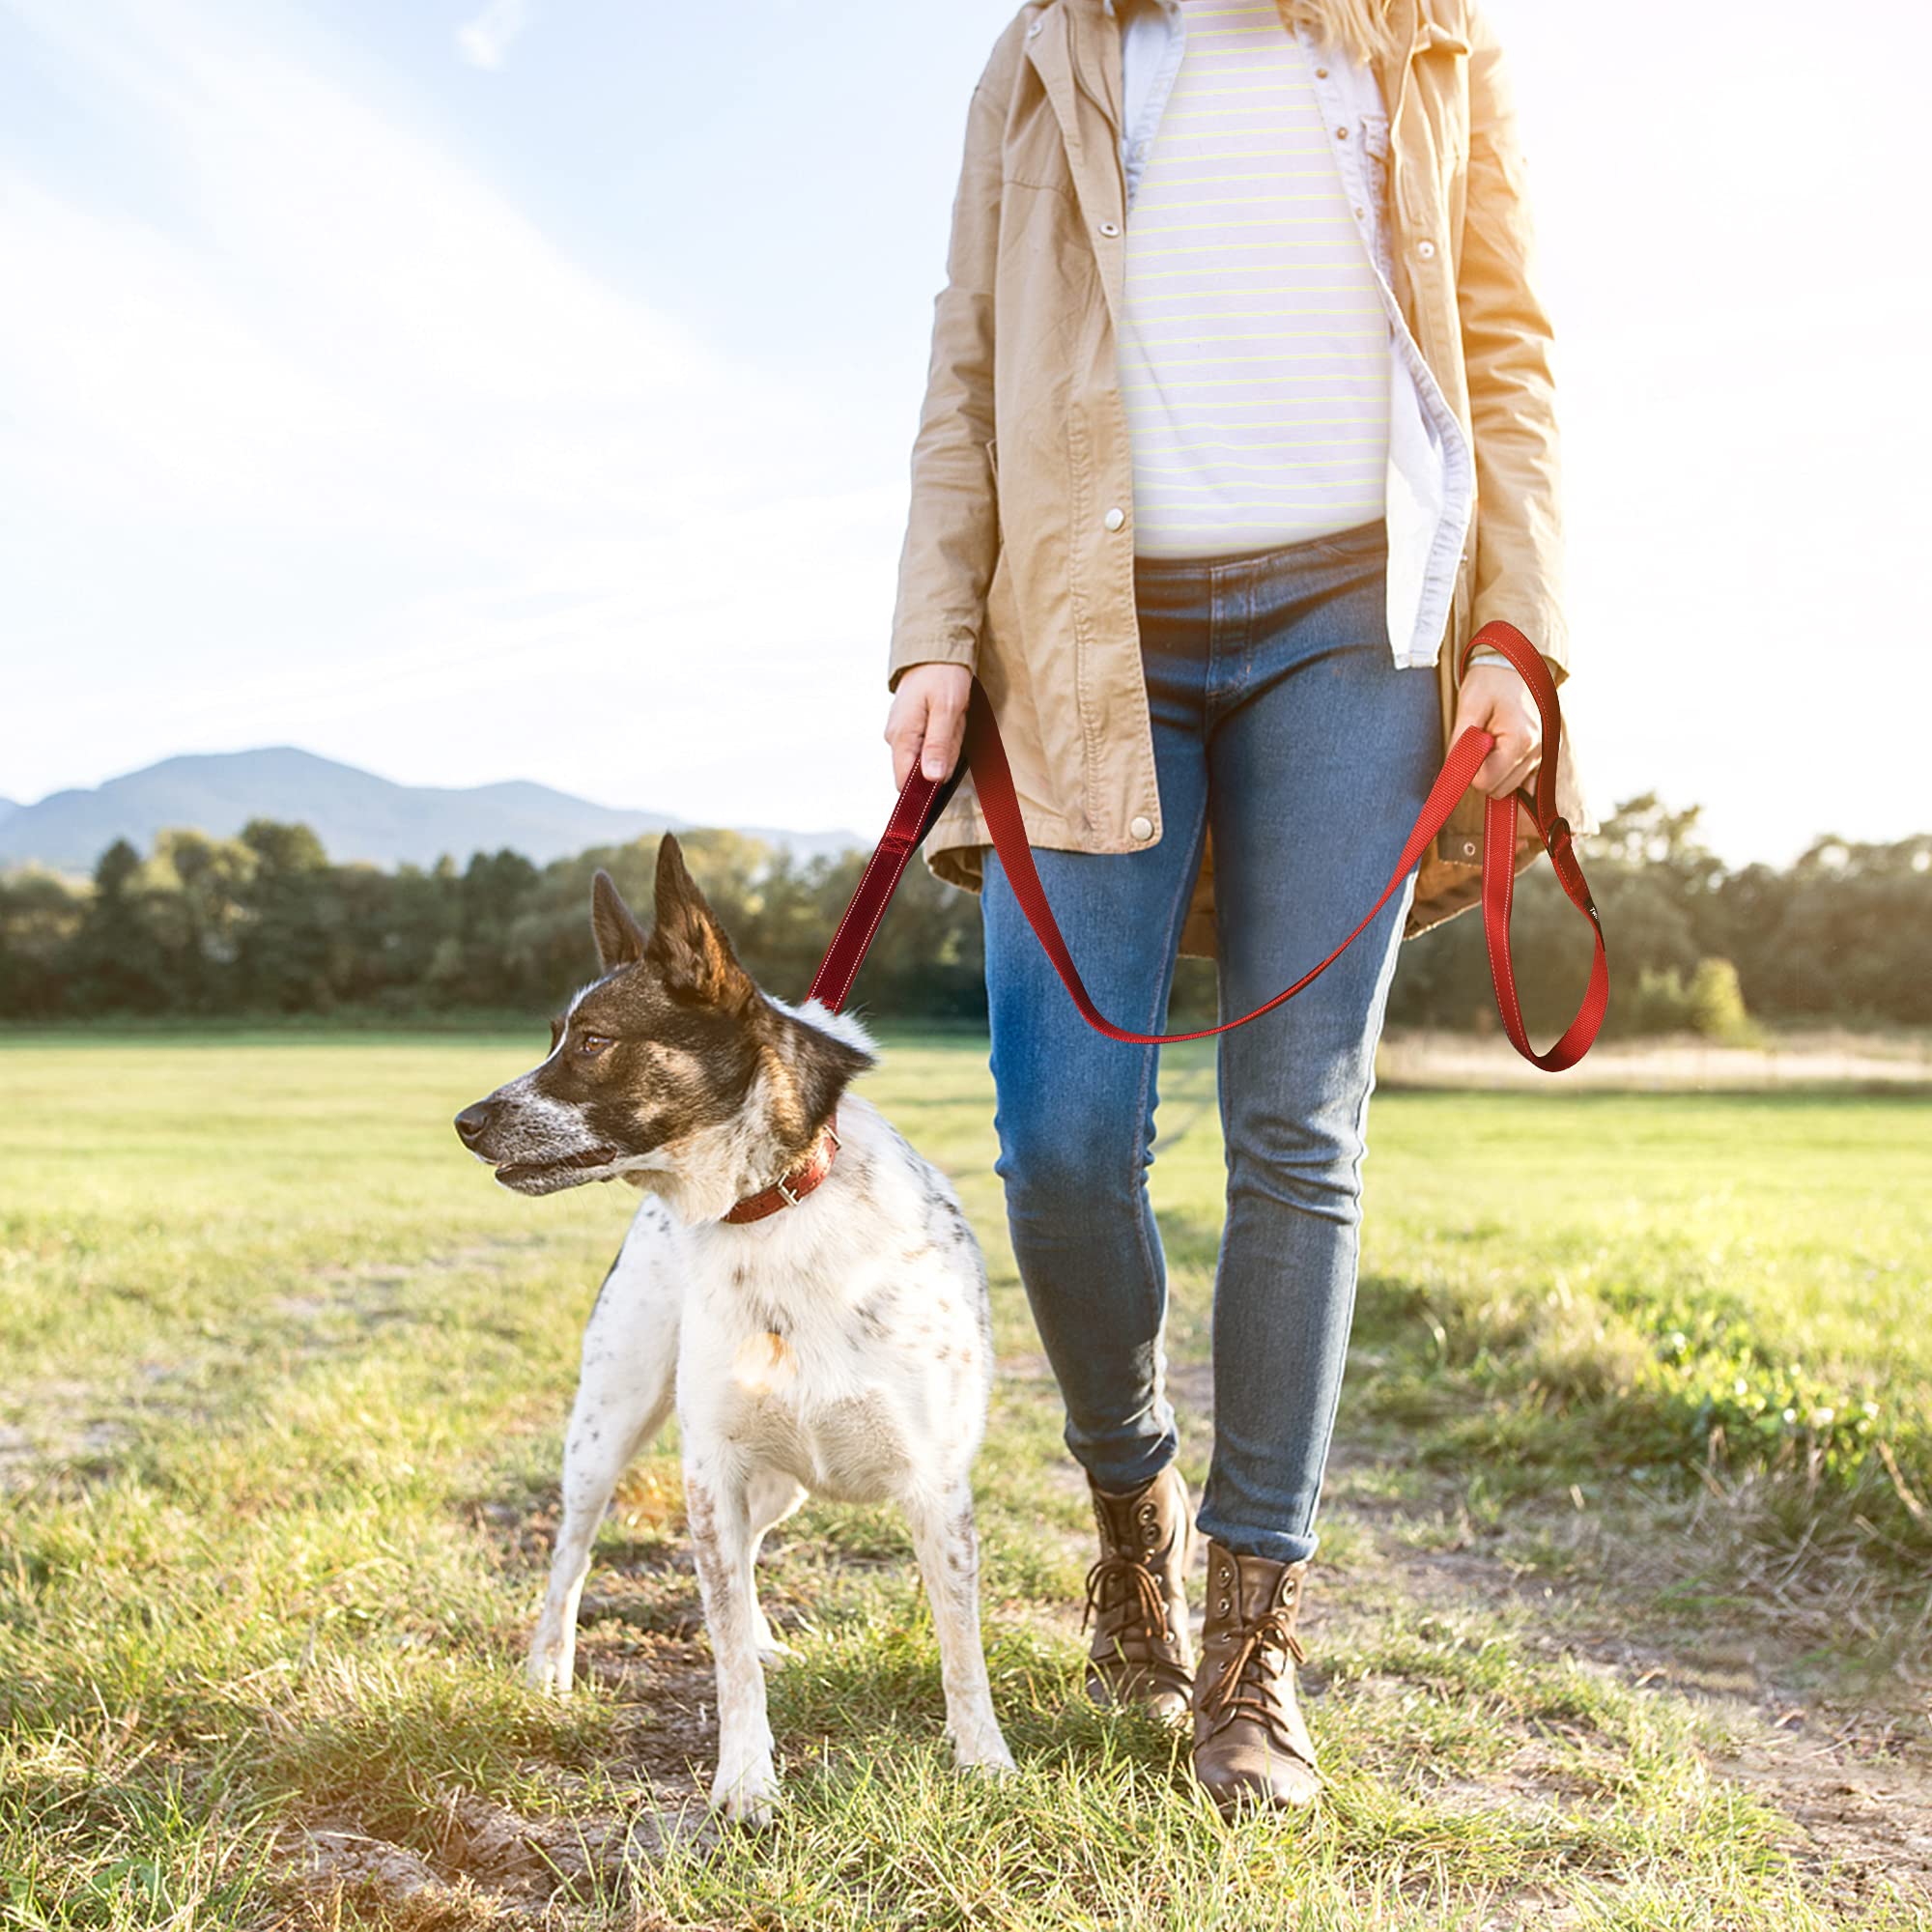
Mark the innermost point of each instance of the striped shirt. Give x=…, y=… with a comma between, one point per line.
x=1254, y=346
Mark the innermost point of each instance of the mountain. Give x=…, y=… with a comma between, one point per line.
x=354, y=814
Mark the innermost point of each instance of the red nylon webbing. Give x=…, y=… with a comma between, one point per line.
x=921, y=800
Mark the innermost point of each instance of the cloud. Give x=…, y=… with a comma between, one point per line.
x=310, y=427
x=333, y=319
x=486, y=39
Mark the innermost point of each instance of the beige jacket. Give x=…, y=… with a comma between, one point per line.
x=1017, y=560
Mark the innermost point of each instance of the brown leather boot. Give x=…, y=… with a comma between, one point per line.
x=1143, y=1652
x=1250, y=1743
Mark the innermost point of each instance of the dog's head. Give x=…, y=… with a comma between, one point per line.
x=672, y=1069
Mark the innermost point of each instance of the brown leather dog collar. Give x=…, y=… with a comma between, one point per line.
x=792, y=1187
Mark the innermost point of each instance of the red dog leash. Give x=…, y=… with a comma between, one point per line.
x=921, y=800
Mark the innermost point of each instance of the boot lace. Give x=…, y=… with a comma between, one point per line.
x=1235, y=1691
x=1139, y=1592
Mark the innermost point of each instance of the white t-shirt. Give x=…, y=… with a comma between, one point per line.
x=1254, y=346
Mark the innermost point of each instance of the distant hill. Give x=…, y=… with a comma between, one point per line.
x=354, y=814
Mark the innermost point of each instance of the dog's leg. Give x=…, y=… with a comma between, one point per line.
x=624, y=1396
x=948, y=1560
x=773, y=1495
x=716, y=1502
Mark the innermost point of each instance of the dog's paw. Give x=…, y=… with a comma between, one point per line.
x=748, y=1797
x=985, y=1756
x=549, y=1669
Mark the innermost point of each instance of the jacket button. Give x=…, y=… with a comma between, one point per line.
x=1142, y=825
x=1115, y=518
x=1426, y=249
x=1110, y=228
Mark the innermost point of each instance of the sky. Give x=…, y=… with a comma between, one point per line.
x=477, y=390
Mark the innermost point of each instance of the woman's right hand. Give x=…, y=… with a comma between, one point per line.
x=927, y=721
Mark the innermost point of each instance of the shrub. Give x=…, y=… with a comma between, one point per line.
x=1710, y=1003
x=1718, y=1004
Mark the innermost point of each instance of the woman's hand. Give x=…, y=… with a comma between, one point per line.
x=927, y=721
x=1494, y=697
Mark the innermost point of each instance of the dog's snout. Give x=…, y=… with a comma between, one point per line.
x=473, y=1122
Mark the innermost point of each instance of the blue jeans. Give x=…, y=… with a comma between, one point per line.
x=1280, y=722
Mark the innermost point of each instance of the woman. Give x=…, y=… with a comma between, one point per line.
x=1239, y=328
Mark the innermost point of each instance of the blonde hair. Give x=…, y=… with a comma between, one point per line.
x=1359, y=28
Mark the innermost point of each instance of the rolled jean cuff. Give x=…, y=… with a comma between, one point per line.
x=1277, y=1546
x=1119, y=1463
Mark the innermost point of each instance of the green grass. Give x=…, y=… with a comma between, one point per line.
x=1728, y=1281
x=285, y=1380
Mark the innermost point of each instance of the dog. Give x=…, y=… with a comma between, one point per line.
x=799, y=1281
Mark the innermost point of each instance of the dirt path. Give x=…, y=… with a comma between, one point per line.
x=1852, y=1779
x=1421, y=1057
x=1853, y=1773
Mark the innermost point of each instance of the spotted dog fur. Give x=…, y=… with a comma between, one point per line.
x=842, y=1346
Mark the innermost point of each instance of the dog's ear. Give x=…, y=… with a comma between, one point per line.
x=823, y=1065
x=620, y=939
x=687, y=941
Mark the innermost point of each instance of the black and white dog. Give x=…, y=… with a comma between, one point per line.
x=799, y=1281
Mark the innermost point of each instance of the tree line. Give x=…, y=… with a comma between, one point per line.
x=267, y=923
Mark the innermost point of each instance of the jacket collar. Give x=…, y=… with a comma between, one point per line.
x=1074, y=46
x=1413, y=28
x=1409, y=21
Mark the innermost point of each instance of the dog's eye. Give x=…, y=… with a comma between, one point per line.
x=591, y=1043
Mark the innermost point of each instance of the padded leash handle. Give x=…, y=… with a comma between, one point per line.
x=921, y=800
x=1499, y=866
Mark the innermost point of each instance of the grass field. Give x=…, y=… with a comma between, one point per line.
x=1621, y=1619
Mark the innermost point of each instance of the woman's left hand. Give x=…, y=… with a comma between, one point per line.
x=1496, y=698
